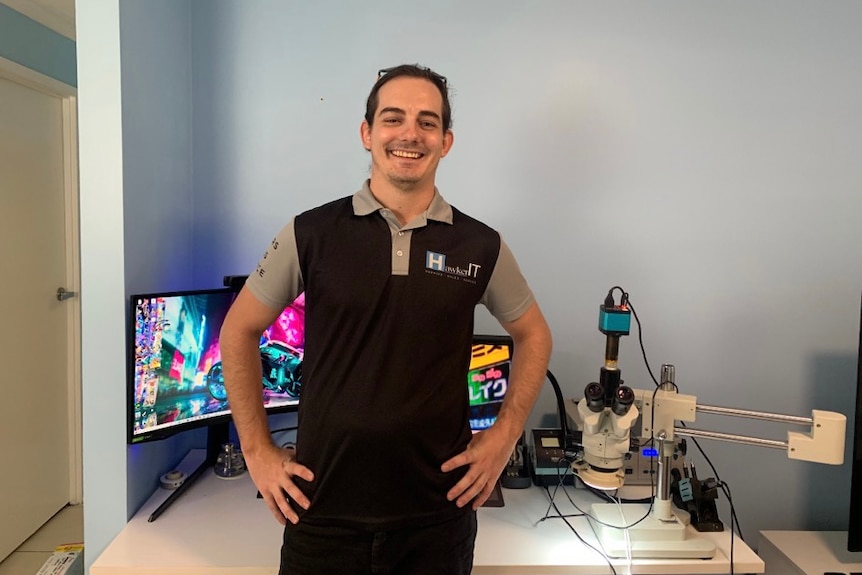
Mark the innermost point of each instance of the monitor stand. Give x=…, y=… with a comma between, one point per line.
x=217, y=435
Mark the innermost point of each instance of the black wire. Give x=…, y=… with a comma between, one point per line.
x=601, y=494
x=609, y=300
x=563, y=469
x=565, y=518
x=641, y=340
x=723, y=485
x=561, y=409
x=725, y=488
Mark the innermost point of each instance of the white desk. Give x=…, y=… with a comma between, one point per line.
x=220, y=527
x=807, y=553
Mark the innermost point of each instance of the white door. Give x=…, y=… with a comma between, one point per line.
x=36, y=392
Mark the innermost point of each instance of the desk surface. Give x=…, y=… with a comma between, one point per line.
x=220, y=527
x=808, y=552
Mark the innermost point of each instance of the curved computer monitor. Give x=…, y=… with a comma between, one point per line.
x=175, y=378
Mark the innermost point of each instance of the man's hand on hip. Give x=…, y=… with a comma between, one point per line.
x=272, y=470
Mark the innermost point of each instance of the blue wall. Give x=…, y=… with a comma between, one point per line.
x=31, y=44
x=701, y=155
x=155, y=44
x=162, y=223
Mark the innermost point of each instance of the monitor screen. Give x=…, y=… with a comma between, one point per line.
x=176, y=380
x=488, y=378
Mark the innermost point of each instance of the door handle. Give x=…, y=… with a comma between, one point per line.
x=63, y=294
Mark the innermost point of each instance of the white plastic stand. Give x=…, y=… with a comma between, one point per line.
x=649, y=538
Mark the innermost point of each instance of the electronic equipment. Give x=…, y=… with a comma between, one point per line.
x=175, y=380
x=516, y=475
x=607, y=415
x=487, y=383
x=854, y=529
x=638, y=465
x=488, y=378
x=697, y=497
x=549, y=466
x=175, y=375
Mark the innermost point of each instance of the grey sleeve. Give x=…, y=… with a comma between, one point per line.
x=508, y=295
x=277, y=280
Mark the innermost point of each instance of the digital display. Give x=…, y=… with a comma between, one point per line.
x=177, y=380
x=551, y=442
x=488, y=379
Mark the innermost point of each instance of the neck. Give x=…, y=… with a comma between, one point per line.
x=406, y=202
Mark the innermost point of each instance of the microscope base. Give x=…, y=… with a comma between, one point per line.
x=650, y=538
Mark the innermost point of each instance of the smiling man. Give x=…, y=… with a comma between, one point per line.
x=411, y=134
x=386, y=476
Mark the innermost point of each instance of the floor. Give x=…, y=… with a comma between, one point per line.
x=67, y=526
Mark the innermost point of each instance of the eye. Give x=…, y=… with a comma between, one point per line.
x=429, y=125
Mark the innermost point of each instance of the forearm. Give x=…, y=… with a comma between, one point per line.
x=242, y=377
x=529, y=368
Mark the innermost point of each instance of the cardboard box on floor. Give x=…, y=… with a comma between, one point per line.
x=66, y=560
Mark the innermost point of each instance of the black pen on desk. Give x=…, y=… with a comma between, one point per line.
x=161, y=508
x=179, y=491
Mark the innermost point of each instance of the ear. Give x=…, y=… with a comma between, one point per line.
x=365, y=134
x=448, y=140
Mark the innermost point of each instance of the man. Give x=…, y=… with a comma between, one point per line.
x=385, y=476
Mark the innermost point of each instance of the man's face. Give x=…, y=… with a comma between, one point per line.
x=407, y=139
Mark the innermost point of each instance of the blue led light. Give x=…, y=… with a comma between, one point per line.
x=650, y=452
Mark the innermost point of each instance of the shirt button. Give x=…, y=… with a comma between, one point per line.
x=400, y=233
x=399, y=253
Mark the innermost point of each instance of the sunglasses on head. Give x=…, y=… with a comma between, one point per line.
x=435, y=75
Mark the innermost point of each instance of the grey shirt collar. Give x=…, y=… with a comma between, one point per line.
x=364, y=203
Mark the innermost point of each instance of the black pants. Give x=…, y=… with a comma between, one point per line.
x=439, y=549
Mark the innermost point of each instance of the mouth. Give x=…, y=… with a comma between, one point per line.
x=406, y=154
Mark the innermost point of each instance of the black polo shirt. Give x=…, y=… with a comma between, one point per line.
x=389, y=323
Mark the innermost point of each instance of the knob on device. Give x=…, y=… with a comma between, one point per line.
x=172, y=479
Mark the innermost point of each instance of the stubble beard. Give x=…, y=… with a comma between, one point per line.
x=403, y=182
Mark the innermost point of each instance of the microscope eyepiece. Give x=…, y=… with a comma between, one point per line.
x=595, y=397
x=623, y=399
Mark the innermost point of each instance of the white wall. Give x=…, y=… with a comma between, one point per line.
x=102, y=263
x=701, y=155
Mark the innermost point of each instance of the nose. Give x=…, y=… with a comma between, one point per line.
x=409, y=130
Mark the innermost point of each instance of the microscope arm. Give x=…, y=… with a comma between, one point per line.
x=824, y=443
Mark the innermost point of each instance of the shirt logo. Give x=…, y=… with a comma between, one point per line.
x=436, y=264
x=435, y=261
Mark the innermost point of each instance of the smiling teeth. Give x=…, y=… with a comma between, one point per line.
x=403, y=154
